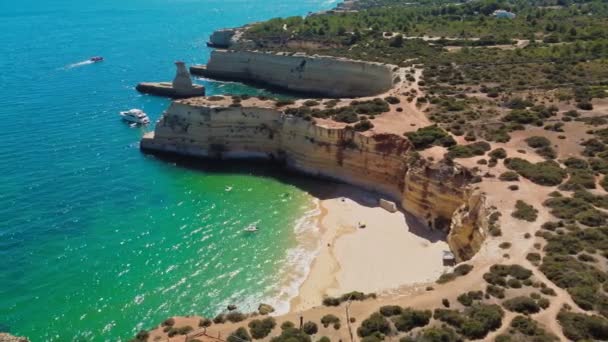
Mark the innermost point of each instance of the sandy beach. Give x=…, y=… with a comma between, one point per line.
x=391, y=252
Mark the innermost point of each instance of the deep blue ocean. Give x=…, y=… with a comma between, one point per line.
x=96, y=239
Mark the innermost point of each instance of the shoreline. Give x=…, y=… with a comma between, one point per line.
x=367, y=259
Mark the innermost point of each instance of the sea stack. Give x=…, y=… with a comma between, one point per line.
x=181, y=87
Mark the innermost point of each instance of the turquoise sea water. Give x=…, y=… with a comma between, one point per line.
x=96, y=239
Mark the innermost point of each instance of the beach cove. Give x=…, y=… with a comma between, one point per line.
x=98, y=240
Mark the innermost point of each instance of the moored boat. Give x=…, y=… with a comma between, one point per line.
x=136, y=116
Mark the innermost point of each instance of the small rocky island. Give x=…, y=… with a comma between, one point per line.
x=181, y=87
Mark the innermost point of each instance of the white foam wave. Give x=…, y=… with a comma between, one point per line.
x=299, y=259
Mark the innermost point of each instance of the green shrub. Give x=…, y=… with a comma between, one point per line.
x=521, y=304
x=463, y=269
x=410, y=319
x=495, y=291
x=538, y=142
x=498, y=153
x=204, y=322
x=142, y=336
x=579, y=179
x=284, y=102
x=533, y=257
x=179, y=331
x=311, y=103
x=530, y=329
x=475, y=322
x=287, y=325
x=261, y=328
x=376, y=323
x=576, y=163
x=467, y=298
x=514, y=283
x=310, y=328
x=363, y=125
x=578, y=327
x=390, y=310
x=460, y=270
x=547, y=152
x=478, y=148
x=585, y=105
x=392, y=99
x=430, y=136
x=235, y=316
x=355, y=295
x=329, y=319
x=290, y=334
x=544, y=173
x=438, y=334
x=524, y=211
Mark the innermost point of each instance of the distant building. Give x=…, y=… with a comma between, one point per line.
x=502, y=14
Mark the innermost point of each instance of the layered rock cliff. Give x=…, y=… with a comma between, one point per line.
x=327, y=76
x=385, y=163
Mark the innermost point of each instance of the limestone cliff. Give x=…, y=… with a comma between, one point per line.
x=468, y=227
x=328, y=76
x=385, y=163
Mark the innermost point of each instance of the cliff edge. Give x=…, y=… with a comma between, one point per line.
x=386, y=163
x=316, y=75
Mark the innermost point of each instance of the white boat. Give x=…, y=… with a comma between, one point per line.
x=228, y=188
x=136, y=116
x=251, y=228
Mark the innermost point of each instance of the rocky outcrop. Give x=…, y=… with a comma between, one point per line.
x=468, y=227
x=181, y=87
x=385, y=163
x=327, y=76
x=433, y=192
x=222, y=38
x=5, y=337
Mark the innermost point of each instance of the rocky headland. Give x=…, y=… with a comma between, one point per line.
x=439, y=194
x=318, y=75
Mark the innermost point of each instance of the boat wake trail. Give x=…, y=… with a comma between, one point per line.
x=79, y=64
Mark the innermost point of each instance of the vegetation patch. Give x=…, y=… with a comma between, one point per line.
x=525, y=211
x=410, y=319
x=261, y=328
x=478, y=148
x=430, y=136
x=474, y=322
x=460, y=270
x=582, y=280
x=355, y=295
x=526, y=329
x=547, y=173
x=581, y=327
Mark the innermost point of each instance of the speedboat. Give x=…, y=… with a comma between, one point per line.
x=251, y=228
x=96, y=59
x=136, y=116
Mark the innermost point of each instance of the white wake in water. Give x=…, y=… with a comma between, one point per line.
x=79, y=64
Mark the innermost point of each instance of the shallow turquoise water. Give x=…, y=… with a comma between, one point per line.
x=96, y=239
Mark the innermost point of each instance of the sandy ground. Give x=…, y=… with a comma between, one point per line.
x=390, y=252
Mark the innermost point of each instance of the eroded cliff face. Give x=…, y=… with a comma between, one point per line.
x=385, y=163
x=329, y=76
x=468, y=228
